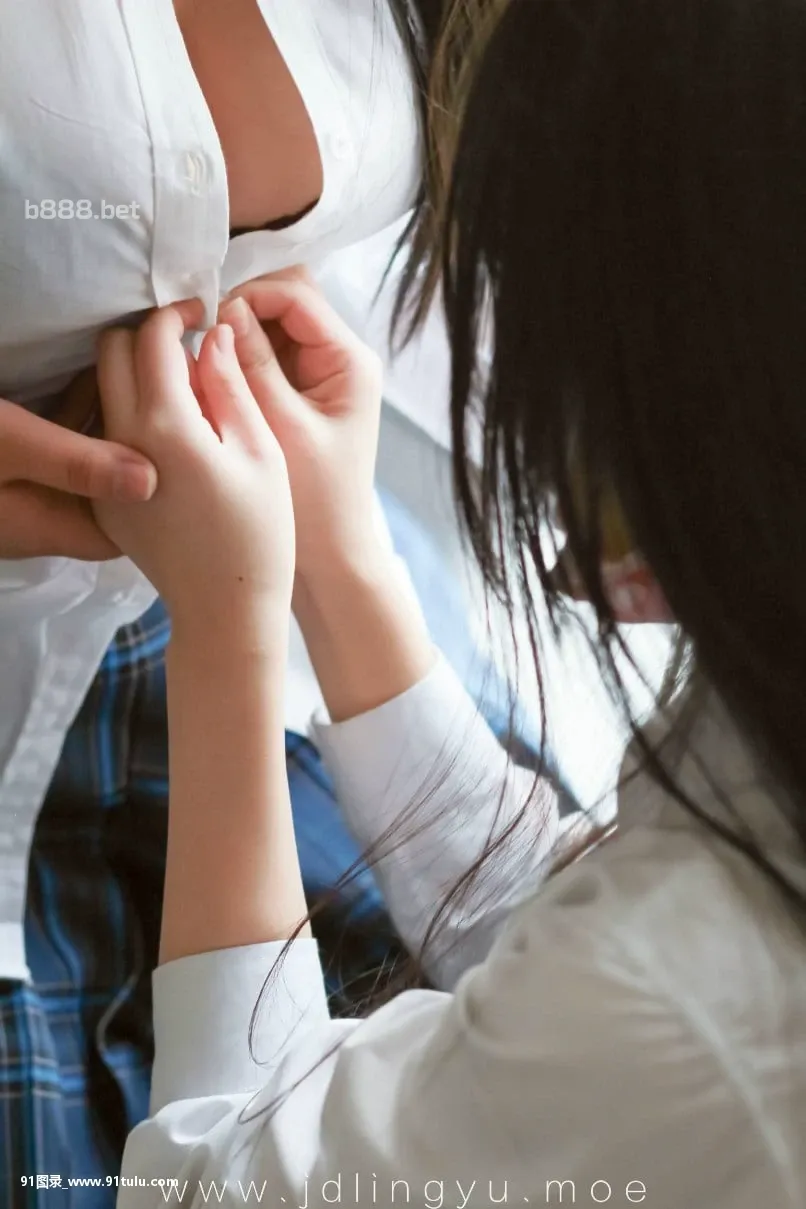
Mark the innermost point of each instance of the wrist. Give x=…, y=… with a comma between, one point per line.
x=364, y=631
x=232, y=635
x=369, y=568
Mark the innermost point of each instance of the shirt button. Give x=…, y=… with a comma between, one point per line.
x=193, y=170
x=340, y=146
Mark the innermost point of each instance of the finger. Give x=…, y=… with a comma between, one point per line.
x=198, y=390
x=117, y=383
x=197, y=387
x=46, y=523
x=277, y=336
x=257, y=358
x=191, y=311
x=229, y=403
x=193, y=372
x=296, y=272
x=39, y=451
x=161, y=365
x=300, y=308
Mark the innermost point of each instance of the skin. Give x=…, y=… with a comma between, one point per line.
x=283, y=427
x=258, y=112
x=243, y=436
x=49, y=473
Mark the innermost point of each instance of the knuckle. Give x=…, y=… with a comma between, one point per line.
x=297, y=272
x=159, y=431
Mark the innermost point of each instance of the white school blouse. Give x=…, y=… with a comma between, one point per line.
x=100, y=109
x=634, y=1034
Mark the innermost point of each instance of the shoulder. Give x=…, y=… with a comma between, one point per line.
x=630, y=1002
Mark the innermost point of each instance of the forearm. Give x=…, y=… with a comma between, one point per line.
x=365, y=633
x=232, y=875
x=423, y=783
x=415, y=765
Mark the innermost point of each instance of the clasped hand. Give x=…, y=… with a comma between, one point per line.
x=208, y=461
x=49, y=472
x=276, y=419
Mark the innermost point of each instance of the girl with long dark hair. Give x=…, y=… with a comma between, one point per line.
x=625, y=215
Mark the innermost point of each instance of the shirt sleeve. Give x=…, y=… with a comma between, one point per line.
x=427, y=790
x=562, y=1059
x=215, y=1003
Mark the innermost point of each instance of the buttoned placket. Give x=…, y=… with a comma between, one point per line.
x=191, y=205
x=74, y=641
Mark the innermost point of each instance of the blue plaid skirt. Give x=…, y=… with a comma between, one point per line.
x=76, y=1045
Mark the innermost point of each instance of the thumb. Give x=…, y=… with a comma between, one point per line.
x=38, y=451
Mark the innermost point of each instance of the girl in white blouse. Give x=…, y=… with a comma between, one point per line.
x=634, y=1034
x=135, y=138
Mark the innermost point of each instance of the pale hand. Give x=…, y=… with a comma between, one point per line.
x=319, y=388
x=49, y=472
x=217, y=538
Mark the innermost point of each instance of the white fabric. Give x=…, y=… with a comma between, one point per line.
x=100, y=105
x=636, y=1034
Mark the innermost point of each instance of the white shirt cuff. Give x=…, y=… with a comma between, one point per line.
x=381, y=760
x=203, y=1007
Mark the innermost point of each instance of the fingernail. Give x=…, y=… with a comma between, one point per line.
x=135, y=480
x=236, y=312
x=224, y=339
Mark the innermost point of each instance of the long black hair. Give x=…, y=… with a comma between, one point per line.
x=616, y=191
x=620, y=201
x=626, y=213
